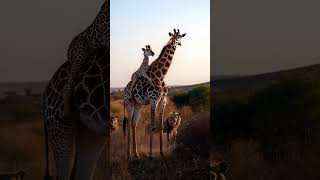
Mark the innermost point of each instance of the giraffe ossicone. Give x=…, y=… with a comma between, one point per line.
x=144, y=93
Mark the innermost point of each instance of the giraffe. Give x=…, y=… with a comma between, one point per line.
x=78, y=139
x=144, y=93
x=96, y=35
x=142, y=71
x=85, y=134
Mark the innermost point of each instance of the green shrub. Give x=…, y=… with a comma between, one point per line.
x=198, y=98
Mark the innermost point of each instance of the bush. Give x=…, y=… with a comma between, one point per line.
x=198, y=98
x=181, y=98
x=286, y=111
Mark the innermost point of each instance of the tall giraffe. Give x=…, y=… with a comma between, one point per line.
x=88, y=129
x=144, y=93
x=77, y=141
x=96, y=35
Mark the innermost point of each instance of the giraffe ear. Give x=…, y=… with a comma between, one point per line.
x=183, y=34
x=170, y=34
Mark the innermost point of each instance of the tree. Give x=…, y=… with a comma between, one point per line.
x=199, y=98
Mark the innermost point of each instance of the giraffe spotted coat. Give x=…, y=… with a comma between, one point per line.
x=96, y=35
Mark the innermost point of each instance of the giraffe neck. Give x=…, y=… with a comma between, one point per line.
x=145, y=61
x=98, y=33
x=160, y=67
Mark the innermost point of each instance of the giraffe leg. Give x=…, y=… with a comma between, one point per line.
x=89, y=147
x=154, y=105
x=163, y=103
x=136, y=115
x=63, y=144
x=130, y=109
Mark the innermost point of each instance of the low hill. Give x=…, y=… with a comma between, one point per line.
x=247, y=84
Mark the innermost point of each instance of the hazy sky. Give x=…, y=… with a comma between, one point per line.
x=254, y=36
x=35, y=34
x=137, y=23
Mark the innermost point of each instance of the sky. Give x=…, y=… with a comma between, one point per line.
x=135, y=24
x=35, y=35
x=257, y=36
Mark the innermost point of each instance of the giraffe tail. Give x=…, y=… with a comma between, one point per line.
x=125, y=120
x=47, y=173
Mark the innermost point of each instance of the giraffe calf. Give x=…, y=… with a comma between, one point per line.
x=13, y=176
x=170, y=127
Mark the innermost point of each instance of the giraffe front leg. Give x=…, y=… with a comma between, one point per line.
x=63, y=144
x=163, y=103
x=129, y=106
x=136, y=115
x=129, y=134
x=154, y=105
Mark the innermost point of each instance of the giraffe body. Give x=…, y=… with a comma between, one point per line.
x=96, y=35
x=78, y=139
x=144, y=93
x=84, y=135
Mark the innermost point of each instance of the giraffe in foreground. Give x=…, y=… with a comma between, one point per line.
x=78, y=139
x=96, y=35
x=144, y=93
x=78, y=142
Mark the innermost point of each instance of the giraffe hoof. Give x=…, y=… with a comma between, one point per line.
x=161, y=153
x=136, y=156
x=151, y=157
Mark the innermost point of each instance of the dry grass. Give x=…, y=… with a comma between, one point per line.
x=248, y=160
x=179, y=162
x=22, y=146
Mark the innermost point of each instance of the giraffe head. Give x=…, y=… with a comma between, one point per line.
x=176, y=36
x=218, y=171
x=114, y=123
x=147, y=51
